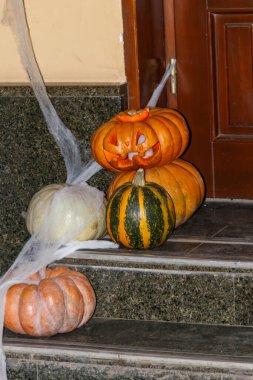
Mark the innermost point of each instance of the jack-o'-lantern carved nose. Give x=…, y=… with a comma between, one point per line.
x=131, y=155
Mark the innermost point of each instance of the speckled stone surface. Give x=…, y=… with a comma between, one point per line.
x=120, y=349
x=50, y=369
x=177, y=296
x=29, y=158
x=20, y=369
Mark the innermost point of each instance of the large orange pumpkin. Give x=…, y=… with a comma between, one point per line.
x=182, y=181
x=140, y=139
x=58, y=303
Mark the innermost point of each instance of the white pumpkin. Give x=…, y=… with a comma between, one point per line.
x=64, y=208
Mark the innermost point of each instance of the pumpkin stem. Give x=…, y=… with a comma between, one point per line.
x=139, y=179
x=134, y=112
x=132, y=116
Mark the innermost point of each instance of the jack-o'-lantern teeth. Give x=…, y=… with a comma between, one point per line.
x=140, y=140
x=148, y=153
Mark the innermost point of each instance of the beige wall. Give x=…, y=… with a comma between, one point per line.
x=75, y=41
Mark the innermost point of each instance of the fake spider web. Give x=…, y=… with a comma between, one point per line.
x=41, y=250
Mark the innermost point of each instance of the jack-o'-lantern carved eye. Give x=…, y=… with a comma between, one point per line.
x=113, y=139
x=140, y=138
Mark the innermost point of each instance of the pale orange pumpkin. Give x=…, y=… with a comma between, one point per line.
x=140, y=139
x=182, y=181
x=58, y=303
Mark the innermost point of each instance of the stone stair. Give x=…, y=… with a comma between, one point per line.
x=131, y=349
x=184, y=311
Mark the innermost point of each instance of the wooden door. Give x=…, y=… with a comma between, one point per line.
x=212, y=41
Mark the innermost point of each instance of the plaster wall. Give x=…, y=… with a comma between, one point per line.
x=77, y=41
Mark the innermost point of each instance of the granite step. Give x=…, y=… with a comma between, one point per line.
x=203, y=274
x=130, y=349
x=184, y=311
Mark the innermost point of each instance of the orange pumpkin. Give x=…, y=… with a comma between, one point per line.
x=140, y=139
x=182, y=181
x=58, y=303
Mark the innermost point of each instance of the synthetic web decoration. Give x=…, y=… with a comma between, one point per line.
x=45, y=247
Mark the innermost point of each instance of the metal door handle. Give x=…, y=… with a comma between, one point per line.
x=173, y=76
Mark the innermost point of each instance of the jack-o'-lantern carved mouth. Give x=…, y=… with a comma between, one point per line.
x=134, y=159
x=148, y=154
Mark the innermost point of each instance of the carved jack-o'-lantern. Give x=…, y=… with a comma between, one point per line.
x=140, y=139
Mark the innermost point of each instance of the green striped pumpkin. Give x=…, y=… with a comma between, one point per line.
x=140, y=215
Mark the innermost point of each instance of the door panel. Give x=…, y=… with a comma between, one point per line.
x=230, y=5
x=233, y=52
x=233, y=163
x=214, y=51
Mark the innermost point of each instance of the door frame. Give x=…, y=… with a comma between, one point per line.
x=145, y=56
x=131, y=53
